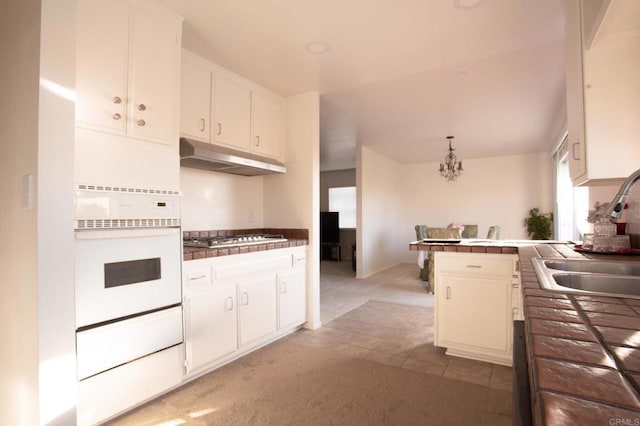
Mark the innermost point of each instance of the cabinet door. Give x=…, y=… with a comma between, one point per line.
x=231, y=113
x=474, y=313
x=154, y=73
x=211, y=326
x=257, y=300
x=195, y=102
x=575, y=94
x=267, y=126
x=292, y=298
x=101, y=64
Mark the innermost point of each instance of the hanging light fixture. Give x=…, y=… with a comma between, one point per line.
x=451, y=168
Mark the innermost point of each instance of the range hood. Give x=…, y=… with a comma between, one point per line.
x=205, y=156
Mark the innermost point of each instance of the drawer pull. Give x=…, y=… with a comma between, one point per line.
x=199, y=277
x=515, y=285
x=474, y=266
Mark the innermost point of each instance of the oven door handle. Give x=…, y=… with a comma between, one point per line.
x=124, y=233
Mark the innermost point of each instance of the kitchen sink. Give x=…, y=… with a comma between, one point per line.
x=604, y=278
x=595, y=266
x=600, y=283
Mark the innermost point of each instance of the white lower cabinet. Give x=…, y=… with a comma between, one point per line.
x=291, y=298
x=257, y=310
x=210, y=325
x=235, y=304
x=477, y=299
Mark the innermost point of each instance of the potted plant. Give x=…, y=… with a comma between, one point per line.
x=539, y=225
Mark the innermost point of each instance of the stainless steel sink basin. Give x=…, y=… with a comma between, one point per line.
x=606, y=278
x=600, y=283
x=595, y=266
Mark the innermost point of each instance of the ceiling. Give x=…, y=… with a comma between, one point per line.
x=400, y=75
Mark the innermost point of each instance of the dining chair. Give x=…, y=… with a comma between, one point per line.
x=494, y=232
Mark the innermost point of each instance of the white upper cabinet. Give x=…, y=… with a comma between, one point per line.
x=267, y=125
x=101, y=64
x=603, y=83
x=128, y=69
x=231, y=113
x=195, y=110
x=225, y=109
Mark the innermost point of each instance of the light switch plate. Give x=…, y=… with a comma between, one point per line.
x=27, y=191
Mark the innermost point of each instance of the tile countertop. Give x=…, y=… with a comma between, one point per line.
x=295, y=237
x=193, y=253
x=583, y=351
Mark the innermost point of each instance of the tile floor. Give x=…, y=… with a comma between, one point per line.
x=394, y=328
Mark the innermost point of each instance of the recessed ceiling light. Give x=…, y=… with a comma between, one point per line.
x=317, y=47
x=461, y=73
x=466, y=4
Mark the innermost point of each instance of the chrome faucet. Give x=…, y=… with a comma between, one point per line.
x=617, y=204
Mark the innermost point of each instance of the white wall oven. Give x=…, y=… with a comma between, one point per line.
x=128, y=281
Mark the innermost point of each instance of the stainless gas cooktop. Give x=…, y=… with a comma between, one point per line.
x=233, y=241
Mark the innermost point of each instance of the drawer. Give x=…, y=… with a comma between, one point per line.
x=252, y=267
x=197, y=278
x=480, y=264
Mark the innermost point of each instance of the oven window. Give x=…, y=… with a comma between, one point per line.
x=131, y=272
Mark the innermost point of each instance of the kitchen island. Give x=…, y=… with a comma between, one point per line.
x=583, y=351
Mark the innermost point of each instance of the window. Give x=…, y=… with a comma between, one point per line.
x=343, y=201
x=571, y=202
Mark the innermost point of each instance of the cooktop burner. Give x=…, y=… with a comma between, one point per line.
x=232, y=241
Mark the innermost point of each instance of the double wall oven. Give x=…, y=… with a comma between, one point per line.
x=128, y=279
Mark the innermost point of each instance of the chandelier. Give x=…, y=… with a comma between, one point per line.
x=451, y=168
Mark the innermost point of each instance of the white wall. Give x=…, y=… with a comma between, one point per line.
x=491, y=191
x=37, y=367
x=380, y=240
x=212, y=200
x=56, y=288
x=292, y=200
x=20, y=47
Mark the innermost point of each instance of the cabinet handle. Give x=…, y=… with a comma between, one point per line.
x=474, y=266
x=116, y=116
x=199, y=277
x=284, y=288
x=117, y=99
x=245, y=298
x=257, y=140
x=141, y=123
x=142, y=107
x=229, y=303
x=573, y=150
x=202, y=124
x=515, y=285
x=219, y=132
x=448, y=293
